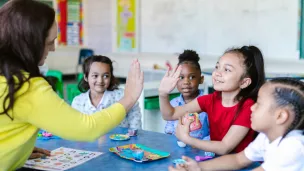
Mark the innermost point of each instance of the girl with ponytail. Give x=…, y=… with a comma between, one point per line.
x=237, y=77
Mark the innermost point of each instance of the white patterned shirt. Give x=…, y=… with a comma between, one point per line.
x=83, y=104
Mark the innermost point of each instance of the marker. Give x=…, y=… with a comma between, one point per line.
x=202, y=158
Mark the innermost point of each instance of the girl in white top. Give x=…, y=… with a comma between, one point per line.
x=278, y=115
x=100, y=90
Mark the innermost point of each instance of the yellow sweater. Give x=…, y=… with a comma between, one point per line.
x=38, y=106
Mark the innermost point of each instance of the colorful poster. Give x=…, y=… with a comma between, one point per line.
x=62, y=21
x=74, y=22
x=126, y=25
x=62, y=159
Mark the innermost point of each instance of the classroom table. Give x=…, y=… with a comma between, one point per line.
x=110, y=161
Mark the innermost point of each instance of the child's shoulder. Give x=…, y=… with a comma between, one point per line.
x=293, y=139
x=116, y=92
x=82, y=96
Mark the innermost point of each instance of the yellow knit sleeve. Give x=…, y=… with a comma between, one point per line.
x=40, y=106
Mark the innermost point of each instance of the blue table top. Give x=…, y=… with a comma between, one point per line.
x=110, y=161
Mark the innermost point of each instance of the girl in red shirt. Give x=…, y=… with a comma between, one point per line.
x=237, y=77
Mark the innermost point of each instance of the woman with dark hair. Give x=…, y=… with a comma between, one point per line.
x=27, y=33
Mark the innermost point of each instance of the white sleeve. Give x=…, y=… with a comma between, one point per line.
x=255, y=150
x=77, y=103
x=288, y=156
x=134, y=115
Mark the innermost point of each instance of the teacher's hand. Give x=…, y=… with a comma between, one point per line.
x=39, y=152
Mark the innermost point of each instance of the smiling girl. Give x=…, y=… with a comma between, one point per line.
x=237, y=77
x=100, y=90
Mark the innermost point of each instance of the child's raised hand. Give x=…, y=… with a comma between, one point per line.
x=183, y=129
x=169, y=81
x=135, y=81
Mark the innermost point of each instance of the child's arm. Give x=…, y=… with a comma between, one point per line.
x=226, y=162
x=258, y=169
x=173, y=113
x=167, y=84
x=233, y=137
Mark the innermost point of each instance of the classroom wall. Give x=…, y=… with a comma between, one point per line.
x=97, y=35
x=99, y=27
x=212, y=26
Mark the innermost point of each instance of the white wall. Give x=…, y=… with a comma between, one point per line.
x=98, y=31
x=98, y=25
x=212, y=26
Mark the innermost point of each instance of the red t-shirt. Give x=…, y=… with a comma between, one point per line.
x=221, y=118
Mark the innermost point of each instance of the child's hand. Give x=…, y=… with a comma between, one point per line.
x=169, y=81
x=39, y=152
x=191, y=164
x=177, y=168
x=135, y=81
x=182, y=130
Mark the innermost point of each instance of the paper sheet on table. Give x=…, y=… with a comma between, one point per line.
x=62, y=159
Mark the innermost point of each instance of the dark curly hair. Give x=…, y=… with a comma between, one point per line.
x=189, y=57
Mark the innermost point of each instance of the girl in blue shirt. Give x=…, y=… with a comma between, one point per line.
x=189, y=81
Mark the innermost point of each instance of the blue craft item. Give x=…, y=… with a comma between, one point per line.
x=138, y=154
x=179, y=161
x=41, y=136
x=209, y=154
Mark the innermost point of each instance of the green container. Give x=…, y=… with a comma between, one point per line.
x=59, y=85
x=152, y=103
x=72, y=91
x=79, y=77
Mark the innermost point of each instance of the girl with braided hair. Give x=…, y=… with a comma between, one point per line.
x=278, y=115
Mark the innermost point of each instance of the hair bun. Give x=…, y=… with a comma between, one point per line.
x=189, y=55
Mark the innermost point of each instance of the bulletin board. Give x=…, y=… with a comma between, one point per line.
x=69, y=16
x=70, y=22
x=126, y=30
